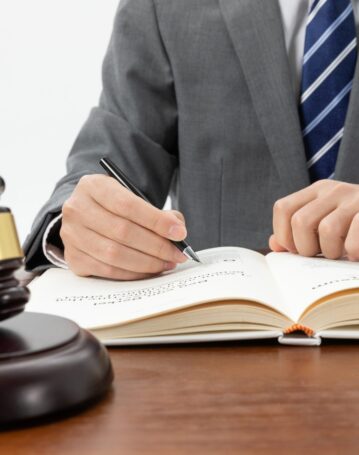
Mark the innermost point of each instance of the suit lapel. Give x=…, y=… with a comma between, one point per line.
x=256, y=30
x=347, y=168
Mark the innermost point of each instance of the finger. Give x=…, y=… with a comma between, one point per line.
x=333, y=230
x=351, y=244
x=305, y=223
x=110, y=252
x=84, y=265
x=120, y=201
x=130, y=234
x=274, y=245
x=178, y=215
x=283, y=211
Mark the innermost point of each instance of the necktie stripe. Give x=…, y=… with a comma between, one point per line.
x=325, y=17
x=328, y=109
x=329, y=70
x=329, y=31
x=329, y=88
x=326, y=148
x=325, y=167
x=315, y=10
x=330, y=57
x=328, y=52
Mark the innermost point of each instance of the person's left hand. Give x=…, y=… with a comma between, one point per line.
x=322, y=218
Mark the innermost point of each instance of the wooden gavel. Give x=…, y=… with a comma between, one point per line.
x=13, y=296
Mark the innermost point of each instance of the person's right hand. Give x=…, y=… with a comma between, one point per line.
x=109, y=232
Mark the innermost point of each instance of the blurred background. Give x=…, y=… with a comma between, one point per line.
x=50, y=76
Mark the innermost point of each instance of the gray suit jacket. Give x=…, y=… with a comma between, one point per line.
x=198, y=101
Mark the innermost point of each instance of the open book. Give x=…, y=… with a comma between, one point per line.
x=234, y=294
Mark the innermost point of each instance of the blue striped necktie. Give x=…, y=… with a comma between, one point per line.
x=330, y=55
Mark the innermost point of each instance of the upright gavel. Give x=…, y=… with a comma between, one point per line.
x=13, y=296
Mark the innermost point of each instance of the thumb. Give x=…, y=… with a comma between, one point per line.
x=178, y=215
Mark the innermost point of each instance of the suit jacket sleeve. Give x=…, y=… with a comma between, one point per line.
x=135, y=122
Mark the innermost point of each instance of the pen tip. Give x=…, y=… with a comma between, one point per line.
x=193, y=255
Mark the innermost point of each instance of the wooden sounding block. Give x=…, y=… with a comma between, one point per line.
x=48, y=365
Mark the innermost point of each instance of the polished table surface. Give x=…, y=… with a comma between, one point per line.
x=224, y=398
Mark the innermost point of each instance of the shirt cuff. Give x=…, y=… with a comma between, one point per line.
x=52, y=253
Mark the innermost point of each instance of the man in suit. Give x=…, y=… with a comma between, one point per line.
x=231, y=107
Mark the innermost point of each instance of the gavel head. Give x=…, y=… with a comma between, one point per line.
x=13, y=296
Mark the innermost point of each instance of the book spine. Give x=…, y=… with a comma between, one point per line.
x=299, y=328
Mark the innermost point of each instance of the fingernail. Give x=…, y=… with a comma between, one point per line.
x=170, y=265
x=177, y=231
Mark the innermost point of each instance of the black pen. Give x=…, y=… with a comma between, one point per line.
x=117, y=174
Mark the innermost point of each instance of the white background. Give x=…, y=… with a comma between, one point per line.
x=50, y=76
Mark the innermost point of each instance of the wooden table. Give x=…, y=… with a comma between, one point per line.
x=223, y=398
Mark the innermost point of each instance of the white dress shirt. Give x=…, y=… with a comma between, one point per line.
x=294, y=15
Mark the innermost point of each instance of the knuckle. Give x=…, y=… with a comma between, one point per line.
x=320, y=183
x=124, y=231
x=339, y=189
x=88, y=183
x=84, y=182
x=69, y=208
x=324, y=184
x=299, y=221
x=281, y=206
x=111, y=253
x=327, y=229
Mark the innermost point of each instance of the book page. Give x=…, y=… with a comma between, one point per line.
x=303, y=281
x=225, y=273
